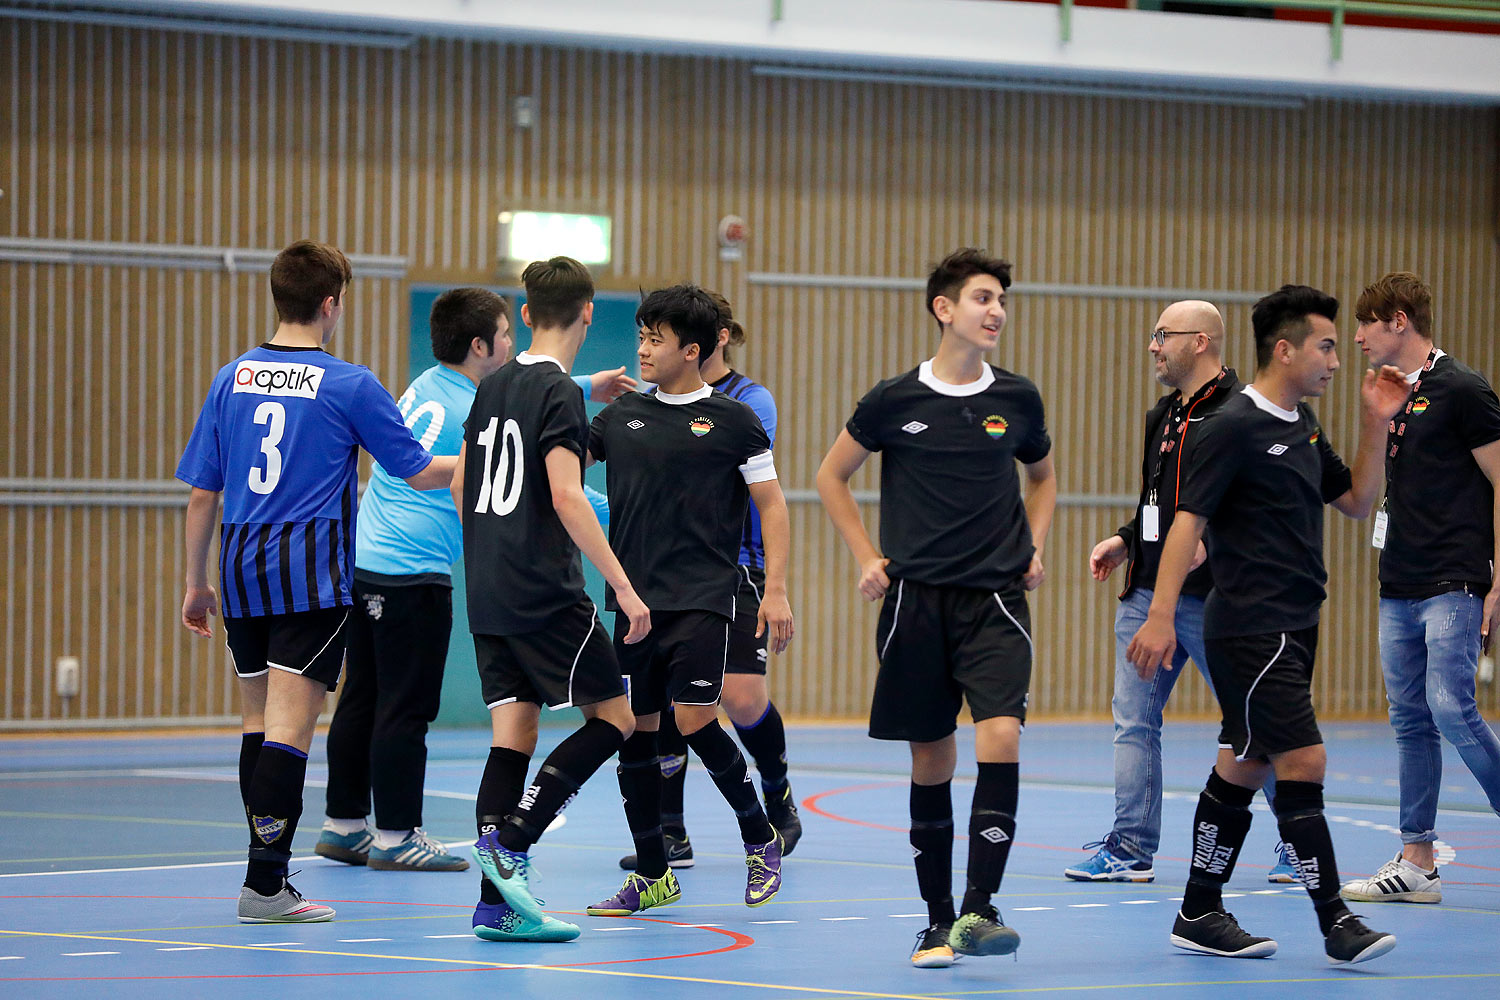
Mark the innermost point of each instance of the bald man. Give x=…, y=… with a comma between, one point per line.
x=1187, y=350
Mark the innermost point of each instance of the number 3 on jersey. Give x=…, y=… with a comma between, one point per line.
x=504, y=490
x=273, y=415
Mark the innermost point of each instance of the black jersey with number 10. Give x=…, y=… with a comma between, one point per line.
x=521, y=565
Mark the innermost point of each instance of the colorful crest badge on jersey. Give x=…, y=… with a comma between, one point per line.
x=995, y=426
x=700, y=426
x=1314, y=438
x=1419, y=406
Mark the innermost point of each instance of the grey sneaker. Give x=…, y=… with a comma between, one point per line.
x=286, y=907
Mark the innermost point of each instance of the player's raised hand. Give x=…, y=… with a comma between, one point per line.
x=776, y=614
x=197, y=605
x=873, y=583
x=608, y=386
x=632, y=607
x=1384, y=392
x=1106, y=557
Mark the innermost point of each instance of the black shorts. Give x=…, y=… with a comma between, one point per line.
x=940, y=645
x=566, y=663
x=310, y=643
x=681, y=661
x=1264, y=686
x=747, y=654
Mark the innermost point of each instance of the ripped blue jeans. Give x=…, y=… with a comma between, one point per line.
x=1429, y=652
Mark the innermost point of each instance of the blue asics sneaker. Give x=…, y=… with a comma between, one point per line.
x=1108, y=866
x=1283, y=872
x=350, y=848
x=510, y=872
x=498, y=922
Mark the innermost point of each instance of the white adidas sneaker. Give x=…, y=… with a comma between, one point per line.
x=1397, y=881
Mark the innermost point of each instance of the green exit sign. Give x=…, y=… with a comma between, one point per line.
x=529, y=236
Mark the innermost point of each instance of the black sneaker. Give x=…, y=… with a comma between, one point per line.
x=1218, y=933
x=983, y=933
x=933, y=950
x=679, y=853
x=781, y=810
x=1350, y=941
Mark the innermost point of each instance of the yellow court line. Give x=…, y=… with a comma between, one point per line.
x=162, y=820
x=479, y=963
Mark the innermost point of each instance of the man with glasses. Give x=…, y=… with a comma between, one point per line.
x=1187, y=348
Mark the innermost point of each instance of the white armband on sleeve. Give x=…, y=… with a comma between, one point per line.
x=759, y=468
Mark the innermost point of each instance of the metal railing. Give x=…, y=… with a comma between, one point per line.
x=1470, y=11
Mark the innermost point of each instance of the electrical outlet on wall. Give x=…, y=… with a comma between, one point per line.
x=68, y=674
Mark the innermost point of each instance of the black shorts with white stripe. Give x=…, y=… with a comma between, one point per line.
x=566, y=663
x=940, y=645
x=309, y=643
x=747, y=653
x=1264, y=687
x=680, y=661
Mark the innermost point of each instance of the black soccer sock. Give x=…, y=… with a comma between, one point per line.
x=499, y=791
x=274, y=804
x=1219, y=828
x=672, y=749
x=992, y=829
x=766, y=741
x=250, y=744
x=1304, y=830
x=726, y=765
x=558, y=779
x=932, y=848
x=640, y=788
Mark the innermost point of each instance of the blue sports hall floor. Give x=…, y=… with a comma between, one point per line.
x=122, y=863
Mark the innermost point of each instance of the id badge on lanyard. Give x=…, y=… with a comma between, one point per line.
x=1151, y=520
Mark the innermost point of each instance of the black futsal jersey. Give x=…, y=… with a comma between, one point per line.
x=520, y=563
x=1261, y=475
x=1441, y=504
x=678, y=471
x=951, y=511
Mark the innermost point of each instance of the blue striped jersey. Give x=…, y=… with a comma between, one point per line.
x=758, y=398
x=407, y=532
x=279, y=436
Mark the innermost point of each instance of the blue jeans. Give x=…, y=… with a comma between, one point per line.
x=1137, y=707
x=1429, y=651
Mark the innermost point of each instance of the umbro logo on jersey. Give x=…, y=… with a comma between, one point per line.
x=1276, y=449
x=915, y=427
x=374, y=606
x=278, y=378
x=703, y=684
x=636, y=425
x=994, y=835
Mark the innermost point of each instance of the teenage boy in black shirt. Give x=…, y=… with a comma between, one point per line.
x=684, y=462
x=1439, y=593
x=1258, y=475
x=959, y=548
x=519, y=490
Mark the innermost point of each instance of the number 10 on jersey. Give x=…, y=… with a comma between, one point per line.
x=504, y=490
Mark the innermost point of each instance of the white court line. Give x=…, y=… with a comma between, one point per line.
x=1029, y=909
x=606, y=930
x=85, y=954
x=1138, y=902
x=196, y=947
x=1085, y=906
x=906, y=914
x=272, y=944
x=10, y=958
x=444, y=937
x=360, y=940
x=841, y=918
x=771, y=922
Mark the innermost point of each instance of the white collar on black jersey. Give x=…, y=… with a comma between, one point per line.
x=1411, y=377
x=678, y=398
x=527, y=358
x=1256, y=397
x=974, y=388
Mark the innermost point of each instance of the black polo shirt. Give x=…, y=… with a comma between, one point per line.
x=951, y=510
x=1168, y=426
x=1441, y=535
x=1261, y=475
